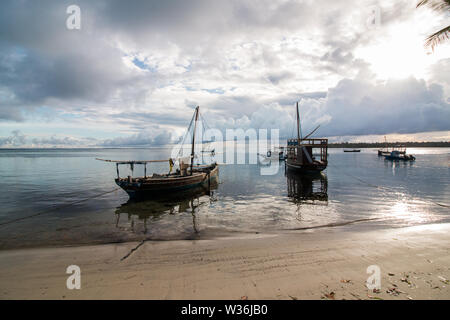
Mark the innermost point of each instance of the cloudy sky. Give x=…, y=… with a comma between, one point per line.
x=135, y=70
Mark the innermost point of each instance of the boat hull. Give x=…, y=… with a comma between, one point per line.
x=305, y=168
x=150, y=187
x=383, y=153
x=406, y=158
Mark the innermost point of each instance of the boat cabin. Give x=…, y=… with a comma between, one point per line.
x=309, y=151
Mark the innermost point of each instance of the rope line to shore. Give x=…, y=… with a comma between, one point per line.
x=58, y=208
x=385, y=188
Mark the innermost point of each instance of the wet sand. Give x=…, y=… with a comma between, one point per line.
x=327, y=263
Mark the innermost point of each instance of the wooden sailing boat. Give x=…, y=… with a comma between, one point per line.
x=186, y=177
x=300, y=152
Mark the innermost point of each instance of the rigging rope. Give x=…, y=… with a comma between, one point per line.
x=206, y=145
x=185, y=135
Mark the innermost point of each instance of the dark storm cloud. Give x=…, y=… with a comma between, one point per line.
x=199, y=20
x=47, y=61
x=42, y=61
x=36, y=77
x=146, y=117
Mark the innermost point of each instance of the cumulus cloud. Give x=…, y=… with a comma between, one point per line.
x=61, y=141
x=359, y=107
x=144, y=138
x=16, y=139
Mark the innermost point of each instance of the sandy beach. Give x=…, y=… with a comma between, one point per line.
x=327, y=263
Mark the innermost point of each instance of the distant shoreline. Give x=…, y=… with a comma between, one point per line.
x=390, y=144
x=441, y=144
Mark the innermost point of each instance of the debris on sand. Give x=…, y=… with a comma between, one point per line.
x=355, y=295
x=444, y=280
x=405, y=279
x=330, y=295
x=394, y=291
x=374, y=297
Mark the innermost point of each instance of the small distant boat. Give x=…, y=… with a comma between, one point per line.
x=399, y=153
x=188, y=175
x=274, y=155
x=352, y=150
x=300, y=152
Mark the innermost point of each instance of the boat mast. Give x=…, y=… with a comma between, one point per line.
x=193, y=137
x=298, y=124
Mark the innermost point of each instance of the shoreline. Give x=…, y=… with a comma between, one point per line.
x=328, y=263
x=217, y=233
x=342, y=145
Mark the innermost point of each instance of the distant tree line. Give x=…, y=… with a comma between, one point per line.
x=350, y=145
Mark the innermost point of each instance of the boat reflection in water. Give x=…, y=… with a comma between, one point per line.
x=173, y=206
x=307, y=188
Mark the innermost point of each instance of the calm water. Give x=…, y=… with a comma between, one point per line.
x=58, y=195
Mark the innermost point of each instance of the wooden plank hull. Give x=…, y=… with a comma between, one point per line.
x=154, y=186
x=310, y=168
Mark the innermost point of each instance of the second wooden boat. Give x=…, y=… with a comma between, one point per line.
x=306, y=154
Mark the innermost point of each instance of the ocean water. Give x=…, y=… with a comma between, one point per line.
x=59, y=197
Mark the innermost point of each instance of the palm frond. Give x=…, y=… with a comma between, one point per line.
x=438, y=5
x=437, y=37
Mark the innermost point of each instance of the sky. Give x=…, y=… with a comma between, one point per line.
x=135, y=70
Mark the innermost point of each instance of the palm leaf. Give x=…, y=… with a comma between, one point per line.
x=439, y=36
x=438, y=5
